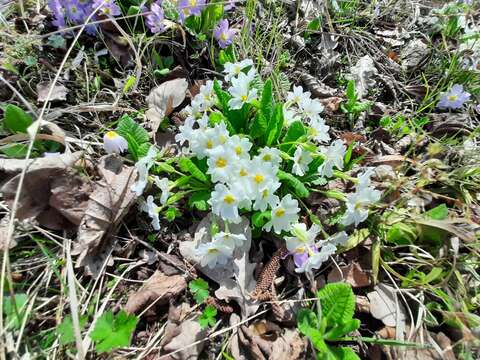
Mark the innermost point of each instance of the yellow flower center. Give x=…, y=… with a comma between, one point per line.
x=264, y=193
x=209, y=144
x=221, y=162
x=223, y=139
x=229, y=199
x=243, y=172
x=279, y=212
x=244, y=98
x=193, y=2
x=453, y=97
x=238, y=150
x=267, y=157
x=111, y=135
x=211, y=251
x=258, y=178
x=223, y=36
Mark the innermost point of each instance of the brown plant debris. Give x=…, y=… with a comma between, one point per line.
x=221, y=306
x=263, y=290
x=160, y=288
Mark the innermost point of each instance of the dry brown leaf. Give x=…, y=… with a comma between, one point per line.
x=352, y=274
x=62, y=161
x=59, y=92
x=159, y=289
x=108, y=203
x=264, y=340
x=386, y=306
x=181, y=330
x=163, y=99
x=52, y=193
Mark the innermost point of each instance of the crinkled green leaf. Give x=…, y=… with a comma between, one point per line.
x=188, y=166
x=297, y=186
x=16, y=120
x=199, y=200
x=208, y=317
x=113, y=331
x=136, y=136
x=199, y=289
x=338, y=302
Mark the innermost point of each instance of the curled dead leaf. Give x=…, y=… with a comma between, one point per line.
x=108, y=203
x=159, y=289
x=352, y=274
x=59, y=92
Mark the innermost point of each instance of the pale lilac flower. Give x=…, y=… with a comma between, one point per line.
x=229, y=5
x=187, y=8
x=107, y=7
x=477, y=108
x=58, y=13
x=155, y=19
x=453, y=99
x=224, y=34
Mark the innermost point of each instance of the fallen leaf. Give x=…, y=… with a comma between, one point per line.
x=108, y=203
x=62, y=161
x=159, y=289
x=59, y=92
x=52, y=193
x=264, y=340
x=181, y=330
x=386, y=306
x=351, y=273
x=413, y=54
x=236, y=277
x=285, y=312
x=362, y=73
x=163, y=99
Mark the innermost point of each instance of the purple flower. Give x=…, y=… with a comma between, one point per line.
x=75, y=11
x=229, y=5
x=107, y=7
x=453, y=99
x=155, y=19
x=477, y=108
x=300, y=257
x=224, y=34
x=189, y=7
x=58, y=13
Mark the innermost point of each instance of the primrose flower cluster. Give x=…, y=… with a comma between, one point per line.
x=76, y=12
x=245, y=176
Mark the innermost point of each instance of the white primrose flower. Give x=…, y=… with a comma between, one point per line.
x=225, y=202
x=152, y=209
x=233, y=70
x=302, y=237
x=284, y=213
x=311, y=108
x=213, y=253
x=241, y=173
x=143, y=166
x=241, y=92
x=240, y=145
x=162, y=184
x=270, y=155
x=265, y=196
x=290, y=115
x=318, y=130
x=220, y=163
x=357, y=204
x=297, y=96
x=229, y=239
x=261, y=173
x=206, y=139
x=113, y=143
x=334, y=155
x=301, y=159
x=364, y=179
x=186, y=131
x=207, y=94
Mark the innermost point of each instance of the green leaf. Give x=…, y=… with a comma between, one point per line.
x=266, y=102
x=135, y=135
x=307, y=320
x=295, y=131
x=275, y=125
x=259, y=126
x=65, y=329
x=199, y=289
x=199, y=200
x=338, y=302
x=343, y=353
x=208, y=317
x=340, y=330
x=297, y=186
x=17, y=151
x=16, y=120
x=351, y=93
x=261, y=218
x=15, y=309
x=358, y=236
x=188, y=166
x=401, y=234
x=172, y=213
x=111, y=332
x=438, y=213
x=143, y=150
